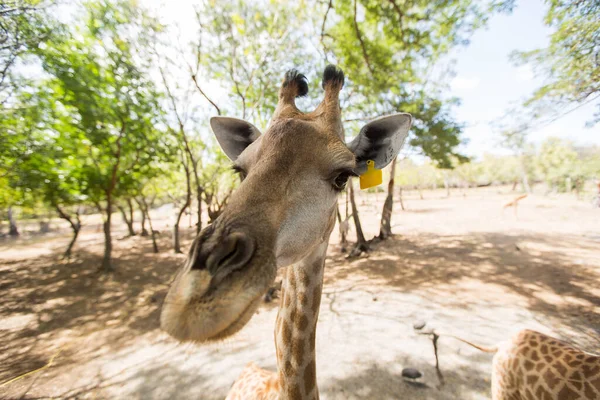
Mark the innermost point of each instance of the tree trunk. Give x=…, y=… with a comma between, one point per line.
x=447, y=184
x=44, y=226
x=342, y=228
x=199, y=200
x=75, y=226
x=144, y=231
x=130, y=208
x=176, y=243
x=13, y=230
x=526, y=186
x=127, y=219
x=76, y=230
x=385, y=227
x=107, y=259
x=401, y=200
x=153, y=232
x=188, y=200
x=524, y=178
x=361, y=243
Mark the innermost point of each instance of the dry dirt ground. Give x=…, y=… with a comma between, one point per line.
x=459, y=263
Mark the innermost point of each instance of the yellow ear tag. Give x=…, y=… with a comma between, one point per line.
x=372, y=177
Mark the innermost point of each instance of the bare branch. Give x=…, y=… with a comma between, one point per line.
x=362, y=43
x=329, y=6
x=235, y=82
x=204, y=94
x=398, y=11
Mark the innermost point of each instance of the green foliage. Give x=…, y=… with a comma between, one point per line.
x=381, y=44
x=570, y=62
x=408, y=173
x=502, y=169
x=247, y=47
x=435, y=132
x=388, y=49
x=107, y=105
x=556, y=162
x=23, y=25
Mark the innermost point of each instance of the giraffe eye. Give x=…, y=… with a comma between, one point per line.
x=340, y=181
x=240, y=171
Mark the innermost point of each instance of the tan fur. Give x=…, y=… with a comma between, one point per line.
x=513, y=202
x=533, y=365
x=286, y=205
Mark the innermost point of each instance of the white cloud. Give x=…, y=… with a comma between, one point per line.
x=461, y=83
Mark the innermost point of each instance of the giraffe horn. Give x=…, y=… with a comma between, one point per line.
x=294, y=85
x=329, y=110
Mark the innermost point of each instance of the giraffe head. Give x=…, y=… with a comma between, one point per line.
x=283, y=208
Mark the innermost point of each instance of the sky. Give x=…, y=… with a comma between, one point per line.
x=486, y=81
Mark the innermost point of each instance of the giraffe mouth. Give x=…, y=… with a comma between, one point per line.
x=238, y=323
x=194, y=311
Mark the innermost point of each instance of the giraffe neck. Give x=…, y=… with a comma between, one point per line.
x=296, y=327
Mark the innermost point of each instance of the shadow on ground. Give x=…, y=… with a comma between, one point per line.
x=541, y=268
x=51, y=298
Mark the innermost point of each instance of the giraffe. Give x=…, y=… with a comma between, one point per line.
x=281, y=216
x=514, y=203
x=533, y=365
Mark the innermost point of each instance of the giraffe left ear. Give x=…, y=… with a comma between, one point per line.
x=233, y=134
x=380, y=140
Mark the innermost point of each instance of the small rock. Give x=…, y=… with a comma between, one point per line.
x=419, y=325
x=411, y=373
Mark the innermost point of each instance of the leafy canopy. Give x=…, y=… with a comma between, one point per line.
x=571, y=62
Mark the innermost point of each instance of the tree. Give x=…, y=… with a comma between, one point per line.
x=557, y=161
x=179, y=117
x=516, y=140
x=245, y=47
x=385, y=228
x=99, y=77
x=126, y=209
x=23, y=25
x=570, y=62
x=39, y=163
x=173, y=192
x=387, y=50
x=361, y=242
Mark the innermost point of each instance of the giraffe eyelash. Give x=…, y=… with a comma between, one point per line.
x=239, y=170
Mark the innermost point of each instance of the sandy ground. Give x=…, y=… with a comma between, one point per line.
x=459, y=263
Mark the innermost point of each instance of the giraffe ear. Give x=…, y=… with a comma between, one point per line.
x=380, y=140
x=233, y=135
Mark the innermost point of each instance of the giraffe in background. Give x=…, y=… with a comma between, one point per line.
x=532, y=365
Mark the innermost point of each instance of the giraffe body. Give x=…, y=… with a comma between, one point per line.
x=255, y=383
x=533, y=365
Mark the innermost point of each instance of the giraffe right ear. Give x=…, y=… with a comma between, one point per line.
x=233, y=134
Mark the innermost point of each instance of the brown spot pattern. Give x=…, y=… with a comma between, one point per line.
x=566, y=393
x=302, y=323
x=309, y=376
x=298, y=351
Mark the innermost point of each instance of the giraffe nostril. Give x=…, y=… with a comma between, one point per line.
x=231, y=254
